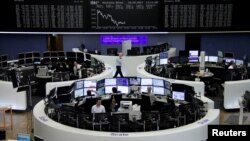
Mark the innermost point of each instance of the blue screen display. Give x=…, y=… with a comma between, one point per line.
x=122, y=81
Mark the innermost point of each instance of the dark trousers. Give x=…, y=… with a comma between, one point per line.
x=118, y=71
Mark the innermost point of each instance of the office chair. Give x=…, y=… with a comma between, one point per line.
x=101, y=121
x=150, y=120
x=119, y=122
x=87, y=106
x=145, y=103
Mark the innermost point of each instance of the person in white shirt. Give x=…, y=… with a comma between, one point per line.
x=77, y=69
x=98, y=108
x=118, y=66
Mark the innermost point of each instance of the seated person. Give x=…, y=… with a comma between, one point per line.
x=98, y=108
x=89, y=95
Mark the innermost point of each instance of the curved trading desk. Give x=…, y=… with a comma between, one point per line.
x=50, y=130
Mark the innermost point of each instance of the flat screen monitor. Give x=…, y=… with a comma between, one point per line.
x=91, y=89
x=100, y=83
x=4, y=64
x=71, y=55
x=36, y=54
x=122, y=81
x=229, y=60
x=90, y=83
x=213, y=59
x=88, y=56
x=21, y=56
x=23, y=137
x=80, y=55
x=101, y=91
x=167, y=84
x=163, y=61
x=158, y=82
x=29, y=61
x=158, y=90
x=79, y=84
x=46, y=54
x=61, y=54
x=62, y=90
x=78, y=93
x=54, y=60
x=108, y=89
x=193, y=53
x=176, y=95
x=21, y=61
x=228, y=55
x=53, y=54
x=183, y=53
x=163, y=55
x=238, y=62
x=37, y=138
x=146, y=81
x=134, y=81
x=123, y=89
x=144, y=89
x=110, y=81
x=28, y=55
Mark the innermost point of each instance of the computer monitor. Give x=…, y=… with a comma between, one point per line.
x=36, y=54
x=110, y=81
x=101, y=91
x=158, y=82
x=79, y=84
x=167, y=84
x=23, y=137
x=213, y=59
x=123, y=89
x=21, y=56
x=163, y=55
x=91, y=89
x=78, y=93
x=163, y=61
x=37, y=138
x=134, y=81
x=88, y=56
x=29, y=61
x=177, y=95
x=146, y=82
x=228, y=55
x=122, y=81
x=108, y=89
x=62, y=90
x=126, y=104
x=61, y=54
x=193, y=56
x=238, y=62
x=158, y=91
x=229, y=60
x=144, y=89
x=183, y=53
x=28, y=55
x=90, y=83
x=100, y=83
x=46, y=54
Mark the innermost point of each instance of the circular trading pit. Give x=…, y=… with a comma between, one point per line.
x=132, y=104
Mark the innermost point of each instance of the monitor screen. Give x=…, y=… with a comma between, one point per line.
x=163, y=61
x=62, y=90
x=29, y=55
x=88, y=56
x=146, y=81
x=36, y=54
x=163, y=55
x=23, y=137
x=101, y=91
x=183, y=53
x=158, y=90
x=91, y=89
x=78, y=93
x=238, y=62
x=228, y=55
x=110, y=81
x=228, y=60
x=46, y=54
x=158, y=82
x=122, y=81
x=213, y=59
x=134, y=81
x=29, y=61
x=61, y=54
x=20, y=56
x=144, y=89
x=100, y=83
x=90, y=83
x=193, y=53
x=79, y=84
x=108, y=89
x=53, y=54
x=167, y=84
x=176, y=95
x=123, y=89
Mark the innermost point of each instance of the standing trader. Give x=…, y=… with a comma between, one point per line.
x=118, y=66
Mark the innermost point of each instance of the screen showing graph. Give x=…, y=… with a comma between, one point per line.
x=124, y=15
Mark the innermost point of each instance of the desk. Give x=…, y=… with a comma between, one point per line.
x=3, y=110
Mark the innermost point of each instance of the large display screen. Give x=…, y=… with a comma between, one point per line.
x=124, y=16
x=123, y=89
x=158, y=82
x=134, y=81
x=178, y=95
x=78, y=93
x=146, y=81
x=110, y=82
x=122, y=81
x=79, y=84
x=89, y=83
x=158, y=90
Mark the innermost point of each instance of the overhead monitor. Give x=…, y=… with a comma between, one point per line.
x=62, y=90
x=23, y=137
x=28, y=55
x=213, y=59
x=144, y=89
x=163, y=55
x=228, y=55
x=79, y=84
x=238, y=62
x=123, y=89
x=29, y=61
x=167, y=84
x=158, y=91
x=122, y=81
x=21, y=56
x=110, y=81
x=101, y=91
x=229, y=60
x=100, y=83
x=91, y=89
x=90, y=83
x=176, y=95
x=158, y=82
x=163, y=61
x=193, y=56
x=78, y=93
x=108, y=89
x=146, y=82
x=134, y=81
